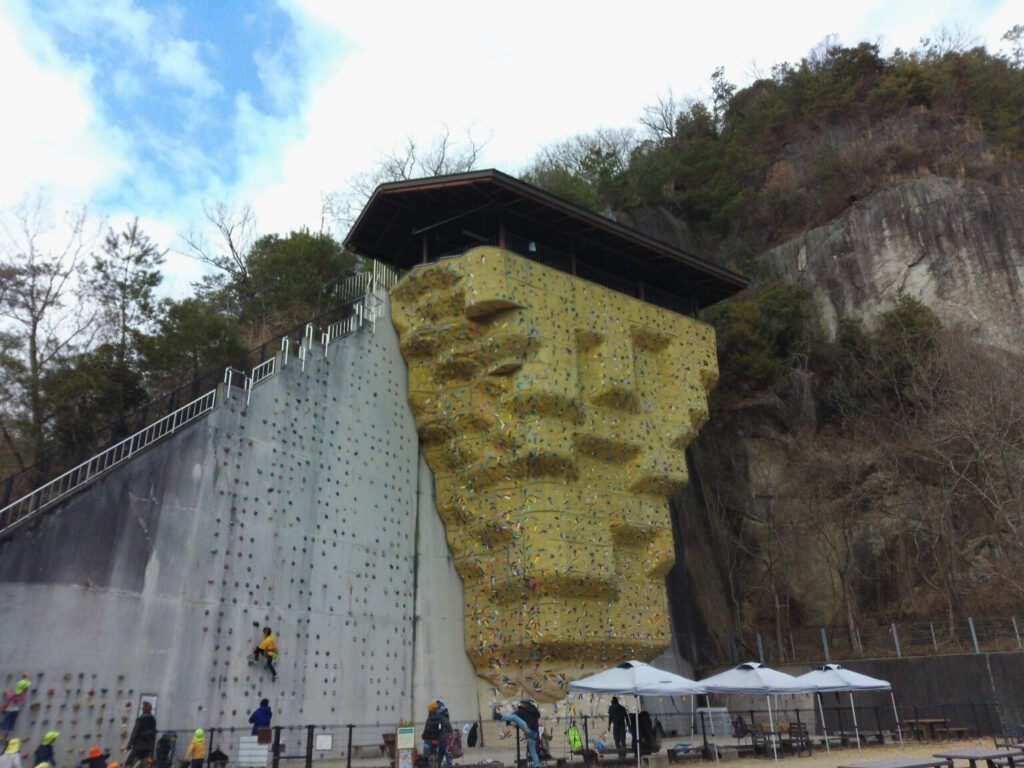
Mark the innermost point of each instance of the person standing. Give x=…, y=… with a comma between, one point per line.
x=13, y=702
x=164, y=755
x=11, y=758
x=261, y=716
x=617, y=716
x=527, y=719
x=95, y=759
x=436, y=730
x=195, y=755
x=44, y=752
x=268, y=648
x=143, y=738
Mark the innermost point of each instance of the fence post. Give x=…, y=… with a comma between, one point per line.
x=309, y=745
x=896, y=640
x=276, y=748
x=974, y=716
x=586, y=737
x=824, y=644
x=974, y=635
x=348, y=748
x=211, y=732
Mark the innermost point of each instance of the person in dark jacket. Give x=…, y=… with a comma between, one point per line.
x=527, y=719
x=95, y=759
x=260, y=718
x=436, y=730
x=143, y=738
x=164, y=756
x=617, y=715
x=44, y=752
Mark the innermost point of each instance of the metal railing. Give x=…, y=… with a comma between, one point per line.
x=989, y=634
x=690, y=728
x=350, y=293
x=46, y=495
x=86, y=472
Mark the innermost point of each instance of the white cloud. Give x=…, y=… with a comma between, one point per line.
x=178, y=61
x=52, y=138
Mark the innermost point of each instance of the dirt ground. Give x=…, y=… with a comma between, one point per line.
x=849, y=755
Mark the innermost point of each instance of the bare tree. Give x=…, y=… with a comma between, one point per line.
x=41, y=268
x=234, y=227
x=660, y=118
x=413, y=160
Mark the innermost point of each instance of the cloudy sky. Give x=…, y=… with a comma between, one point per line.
x=151, y=109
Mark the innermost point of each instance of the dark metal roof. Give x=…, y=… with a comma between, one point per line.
x=403, y=220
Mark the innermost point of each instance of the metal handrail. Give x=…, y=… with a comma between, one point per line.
x=46, y=495
x=24, y=508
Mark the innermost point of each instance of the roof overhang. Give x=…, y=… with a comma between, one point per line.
x=406, y=223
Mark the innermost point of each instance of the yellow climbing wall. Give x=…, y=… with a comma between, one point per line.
x=554, y=414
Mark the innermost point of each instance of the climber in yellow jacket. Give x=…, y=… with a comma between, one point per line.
x=268, y=648
x=196, y=752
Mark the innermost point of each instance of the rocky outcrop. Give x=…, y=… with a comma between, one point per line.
x=956, y=245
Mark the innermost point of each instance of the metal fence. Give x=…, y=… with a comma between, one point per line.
x=247, y=371
x=893, y=640
x=349, y=293
x=500, y=744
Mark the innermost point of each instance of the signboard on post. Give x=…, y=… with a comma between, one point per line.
x=406, y=742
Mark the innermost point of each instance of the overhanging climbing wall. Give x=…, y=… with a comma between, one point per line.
x=554, y=414
x=297, y=512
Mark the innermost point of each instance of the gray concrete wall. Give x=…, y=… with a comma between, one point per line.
x=298, y=512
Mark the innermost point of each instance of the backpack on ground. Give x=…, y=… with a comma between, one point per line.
x=453, y=744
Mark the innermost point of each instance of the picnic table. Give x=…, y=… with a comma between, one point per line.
x=904, y=762
x=917, y=725
x=994, y=757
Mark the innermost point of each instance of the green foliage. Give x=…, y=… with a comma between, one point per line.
x=761, y=333
x=192, y=337
x=587, y=170
x=875, y=371
x=122, y=282
x=794, y=149
x=92, y=389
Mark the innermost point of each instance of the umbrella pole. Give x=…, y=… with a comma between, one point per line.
x=897, y=716
x=636, y=735
x=824, y=727
x=856, y=730
x=707, y=700
x=771, y=726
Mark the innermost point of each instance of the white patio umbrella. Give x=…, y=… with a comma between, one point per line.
x=635, y=678
x=753, y=678
x=835, y=678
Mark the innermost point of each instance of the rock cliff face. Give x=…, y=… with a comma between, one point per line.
x=809, y=523
x=957, y=245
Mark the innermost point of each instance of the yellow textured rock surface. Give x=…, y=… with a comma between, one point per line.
x=554, y=414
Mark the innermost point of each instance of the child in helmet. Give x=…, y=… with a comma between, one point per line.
x=12, y=705
x=44, y=752
x=11, y=758
x=196, y=752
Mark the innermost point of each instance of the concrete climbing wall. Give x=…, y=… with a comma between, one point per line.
x=297, y=512
x=554, y=414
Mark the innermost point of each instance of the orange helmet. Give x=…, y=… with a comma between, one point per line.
x=432, y=706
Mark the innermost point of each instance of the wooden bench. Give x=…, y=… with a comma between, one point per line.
x=952, y=732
